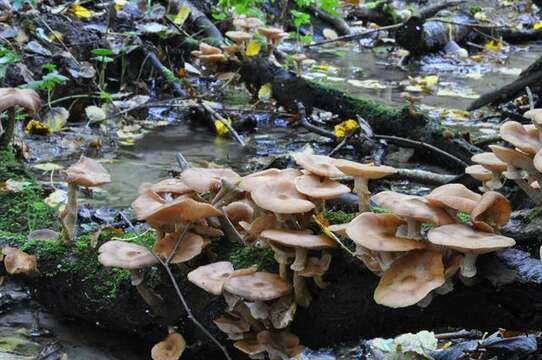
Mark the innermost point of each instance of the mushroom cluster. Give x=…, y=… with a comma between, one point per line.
x=520, y=162
x=413, y=263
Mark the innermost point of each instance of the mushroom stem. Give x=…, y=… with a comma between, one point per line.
x=468, y=265
x=495, y=182
x=301, y=293
x=361, y=187
x=413, y=229
x=446, y=288
x=300, y=259
x=426, y=301
x=68, y=217
x=244, y=313
x=531, y=192
x=320, y=282
x=149, y=296
x=385, y=260
x=6, y=134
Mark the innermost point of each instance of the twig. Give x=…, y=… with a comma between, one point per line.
x=344, y=141
x=219, y=117
x=178, y=243
x=355, y=36
x=479, y=26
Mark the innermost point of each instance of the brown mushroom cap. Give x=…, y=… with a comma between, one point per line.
x=455, y=196
x=271, y=33
x=239, y=211
x=466, y=240
x=513, y=157
x=43, y=234
x=207, y=49
x=281, y=197
x=171, y=348
x=238, y=37
x=299, y=239
x=125, y=255
x=318, y=188
x=298, y=58
x=206, y=179
x=411, y=206
x=520, y=136
x=364, y=170
x=191, y=246
x=213, y=58
x=211, y=277
x=87, y=172
x=258, y=286
x=171, y=186
x=489, y=161
x=316, y=266
x=537, y=161
x=320, y=165
x=25, y=98
x=250, y=347
x=18, y=262
x=229, y=325
x=156, y=211
x=283, y=342
x=251, y=182
x=479, y=172
x=377, y=232
x=410, y=279
x=493, y=210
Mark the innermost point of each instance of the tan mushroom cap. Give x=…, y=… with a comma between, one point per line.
x=377, y=232
x=513, y=157
x=213, y=58
x=489, y=161
x=229, y=325
x=250, y=347
x=18, y=262
x=493, y=210
x=207, y=49
x=125, y=255
x=537, y=161
x=300, y=239
x=519, y=136
x=315, y=187
x=367, y=171
x=156, y=211
x=338, y=228
x=299, y=57
x=191, y=246
x=25, y=98
x=171, y=186
x=211, y=277
x=238, y=211
x=284, y=342
x=251, y=182
x=238, y=37
x=281, y=197
x=271, y=33
x=466, y=240
x=479, y=172
x=171, y=348
x=196, y=53
x=43, y=234
x=411, y=206
x=87, y=172
x=410, y=279
x=320, y=165
x=258, y=286
x=455, y=196
x=530, y=114
x=316, y=266
x=205, y=179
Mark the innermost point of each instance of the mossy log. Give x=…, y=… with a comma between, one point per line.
x=385, y=119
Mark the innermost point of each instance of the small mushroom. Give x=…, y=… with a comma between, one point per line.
x=207, y=49
x=171, y=348
x=234, y=328
x=240, y=38
x=316, y=268
x=134, y=258
x=280, y=345
x=211, y=277
x=10, y=98
x=171, y=186
x=281, y=197
x=273, y=36
x=492, y=212
x=521, y=136
x=468, y=241
x=298, y=61
x=454, y=198
x=239, y=211
x=251, y=347
x=362, y=173
x=87, y=173
x=251, y=182
x=19, y=262
x=204, y=180
x=410, y=279
x=282, y=312
x=481, y=174
x=190, y=246
x=320, y=165
x=320, y=189
x=257, y=286
x=493, y=164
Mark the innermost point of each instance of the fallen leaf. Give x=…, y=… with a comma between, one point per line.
x=330, y=34
x=95, y=114
x=494, y=45
x=345, y=127
x=222, y=129
x=48, y=167
x=35, y=127
x=56, y=118
x=56, y=199
x=13, y=186
x=253, y=48
x=119, y=4
x=80, y=11
x=265, y=92
x=182, y=15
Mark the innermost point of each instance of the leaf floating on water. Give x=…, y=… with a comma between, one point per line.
x=494, y=45
x=368, y=84
x=56, y=118
x=537, y=26
x=265, y=92
x=253, y=48
x=56, y=199
x=222, y=129
x=95, y=114
x=182, y=15
x=119, y=4
x=80, y=11
x=35, y=127
x=330, y=34
x=464, y=93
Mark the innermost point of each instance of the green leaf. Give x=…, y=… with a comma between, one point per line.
x=102, y=52
x=182, y=15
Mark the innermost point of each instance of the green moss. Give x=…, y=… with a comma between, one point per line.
x=340, y=217
x=463, y=217
x=246, y=256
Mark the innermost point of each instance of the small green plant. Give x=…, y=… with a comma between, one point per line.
x=301, y=18
x=103, y=57
x=48, y=82
x=7, y=57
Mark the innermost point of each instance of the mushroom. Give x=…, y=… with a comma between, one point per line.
x=251, y=347
x=410, y=279
x=536, y=119
x=87, y=173
x=257, y=286
x=316, y=268
x=19, y=262
x=211, y=277
x=282, y=345
x=204, y=180
x=238, y=211
x=43, y=234
x=522, y=137
x=207, y=49
x=282, y=312
x=491, y=212
x=251, y=182
x=468, y=241
x=234, y=328
x=171, y=186
x=362, y=173
x=414, y=209
x=273, y=36
x=282, y=254
x=190, y=246
x=10, y=98
x=134, y=258
x=320, y=165
x=320, y=189
x=481, y=174
x=493, y=164
x=171, y=348
x=377, y=233
x=454, y=198
x=298, y=61
x=261, y=223
x=240, y=38
x=281, y=197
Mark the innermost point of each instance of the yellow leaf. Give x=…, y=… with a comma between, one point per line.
x=265, y=92
x=222, y=129
x=119, y=4
x=494, y=45
x=253, y=48
x=80, y=11
x=537, y=26
x=344, y=128
x=182, y=15
x=56, y=36
x=37, y=128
